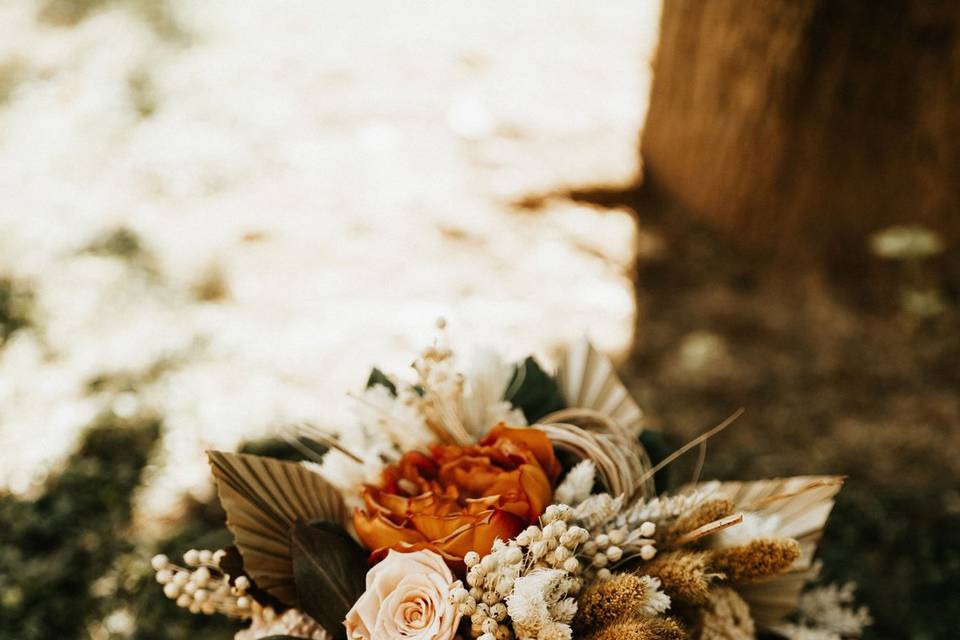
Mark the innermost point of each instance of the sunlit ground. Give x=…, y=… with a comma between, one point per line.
x=225, y=212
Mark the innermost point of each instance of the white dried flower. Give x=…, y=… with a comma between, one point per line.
x=827, y=613
x=577, y=484
x=656, y=601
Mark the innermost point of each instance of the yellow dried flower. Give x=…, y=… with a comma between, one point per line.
x=683, y=574
x=642, y=629
x=704, y=514
x=726, y=616
x=760, y=558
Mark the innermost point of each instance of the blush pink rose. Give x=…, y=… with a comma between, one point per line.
x=406, y=597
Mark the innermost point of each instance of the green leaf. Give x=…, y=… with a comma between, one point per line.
x=534, y=391
x=379, y=377
x=329, y=569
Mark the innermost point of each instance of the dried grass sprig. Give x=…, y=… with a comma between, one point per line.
x=760, y=558
x=625, y=595
x=642, y=629
x=705, y=513
x=683, y=575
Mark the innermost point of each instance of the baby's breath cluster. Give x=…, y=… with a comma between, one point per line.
x=547, y=606
x=201, y=586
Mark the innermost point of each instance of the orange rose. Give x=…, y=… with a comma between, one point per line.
x=460, y=499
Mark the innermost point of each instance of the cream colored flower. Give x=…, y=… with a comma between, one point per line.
x=406, y=597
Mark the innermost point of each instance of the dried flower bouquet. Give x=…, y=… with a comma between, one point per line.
x=503, y=502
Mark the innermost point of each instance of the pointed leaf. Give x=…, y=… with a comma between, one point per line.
x=263, y=498
x=534, y=391
x=329, y=568
x=379, y=377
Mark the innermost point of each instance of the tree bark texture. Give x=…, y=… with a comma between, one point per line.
x=788, y=122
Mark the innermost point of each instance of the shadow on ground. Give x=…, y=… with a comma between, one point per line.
x=836, y=376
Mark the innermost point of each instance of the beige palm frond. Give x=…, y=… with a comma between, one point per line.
x=588, y=380
x=263, y=498
x=799, y=508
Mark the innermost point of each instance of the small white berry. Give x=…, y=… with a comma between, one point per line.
x=602, y=540
x=205, y=556
x=589, y=548
x=647, y=552
x=539, y=548
x=201, y=595
x=171, y=590
x=617, y=536
x=600, y=560
x=191, y=558
x=490, y=598
x=489, y=626
x=208, y=608
x=183, y=601
x=181, y=578
x=164, y=576
x=488, y=564
x=614, y=554
x=604, y=574
x=219, y=555
x=647, y=529
x=498, y=612
x=471, y=558
x=533, y=532
x=190, y=588
x=242, y=583
x=159, y=562
x=571, y=565
x=513, y=555
x=201, y=576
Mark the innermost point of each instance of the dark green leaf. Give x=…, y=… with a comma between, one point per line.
x=379, y=377
x=657, y=448
x=329, y=569
x=534, y=391
x=232, y=565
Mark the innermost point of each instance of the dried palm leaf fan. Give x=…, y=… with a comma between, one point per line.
x=264, y=498
x=588, y=380
x=602, y=422
x=799, y=507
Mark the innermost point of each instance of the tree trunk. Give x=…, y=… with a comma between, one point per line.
x=791, y=122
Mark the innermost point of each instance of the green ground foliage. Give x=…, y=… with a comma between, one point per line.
x=70, y=565
x=54, y=548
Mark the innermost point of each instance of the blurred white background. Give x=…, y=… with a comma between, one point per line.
x=226, y=212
